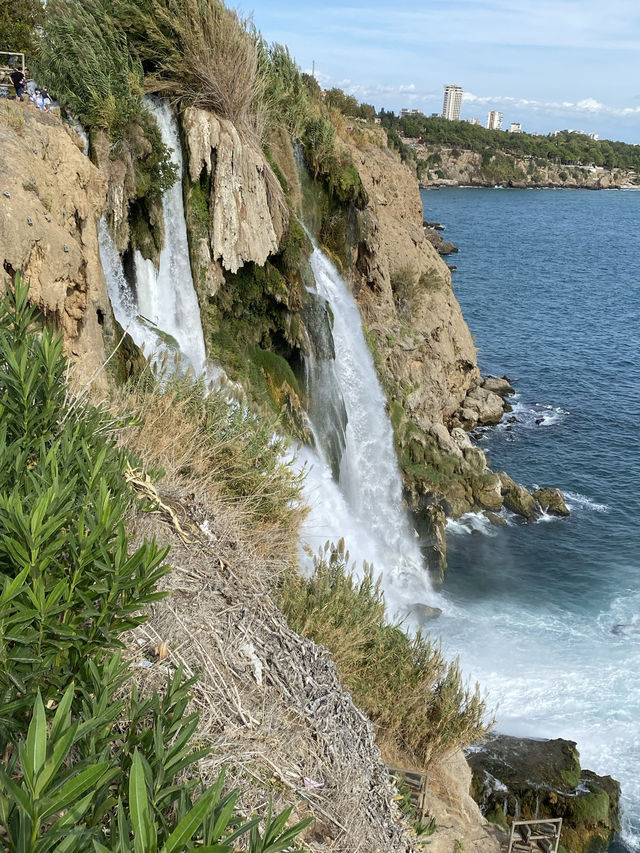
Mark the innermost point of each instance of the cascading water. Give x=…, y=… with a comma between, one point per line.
x=165, y=295
x=365, y=504
x=353, y=485
x=327, y=412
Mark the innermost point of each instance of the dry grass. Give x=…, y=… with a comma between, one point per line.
x=272, y=709
x=13, y=116
x=209, y=58
x=224, y=456
x=404, y=684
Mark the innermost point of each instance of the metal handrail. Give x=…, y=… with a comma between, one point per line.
x=13, y=53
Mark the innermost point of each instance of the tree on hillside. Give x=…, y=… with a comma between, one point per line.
x=17, y=25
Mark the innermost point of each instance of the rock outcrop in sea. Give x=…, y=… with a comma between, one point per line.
x=525, y=778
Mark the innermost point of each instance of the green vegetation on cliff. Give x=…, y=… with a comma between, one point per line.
x=566, y=147
x=403, y=683
x=89, y=762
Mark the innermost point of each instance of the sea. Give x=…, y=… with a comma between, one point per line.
x=546, y=616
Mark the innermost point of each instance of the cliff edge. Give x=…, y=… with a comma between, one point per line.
x=51, y=198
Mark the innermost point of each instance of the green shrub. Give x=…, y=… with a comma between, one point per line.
x=415, y=697
x=62, y=501
x=84, y=60
x=85, y=769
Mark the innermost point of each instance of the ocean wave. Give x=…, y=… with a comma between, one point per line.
x=575, y=500
x=471, y=522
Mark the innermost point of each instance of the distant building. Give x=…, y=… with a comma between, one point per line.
x=593, y=136
x=407, y=112
x=494, y=120
x=473, y=121
x=452, y=102
x=515, y=127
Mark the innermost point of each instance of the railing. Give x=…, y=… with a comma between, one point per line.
x=10, y=53
x=418, y=785
x=5, y=70
x=542, y=834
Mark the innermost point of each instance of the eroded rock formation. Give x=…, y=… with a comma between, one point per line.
x=51, y=198
x=246, y=206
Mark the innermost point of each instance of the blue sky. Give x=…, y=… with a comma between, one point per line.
x=549, y=64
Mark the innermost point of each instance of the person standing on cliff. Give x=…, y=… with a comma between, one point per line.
x=19, y=82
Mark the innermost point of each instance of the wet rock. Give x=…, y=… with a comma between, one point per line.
x=518, y=499
x=442, y=247
x=488, y=405
x=495, y=519
x=528, y=778
x=424, y=614
x=500, y=386
x=552, y=501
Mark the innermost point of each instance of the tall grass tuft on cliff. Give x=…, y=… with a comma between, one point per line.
x=84, y=60
x=202, y=53
x=404, y=684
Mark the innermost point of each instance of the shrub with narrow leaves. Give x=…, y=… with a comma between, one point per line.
x=84, y=769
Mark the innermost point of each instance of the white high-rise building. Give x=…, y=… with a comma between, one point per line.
x=494, y=120
x=452, y=103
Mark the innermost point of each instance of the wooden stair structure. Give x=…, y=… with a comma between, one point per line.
x=540, y=835
x=418, y=785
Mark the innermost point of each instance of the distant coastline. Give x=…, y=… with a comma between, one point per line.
x=453, y=167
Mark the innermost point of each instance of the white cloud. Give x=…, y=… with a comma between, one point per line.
x=586, y=105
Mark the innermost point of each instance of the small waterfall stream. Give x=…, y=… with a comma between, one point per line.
x=164, y=313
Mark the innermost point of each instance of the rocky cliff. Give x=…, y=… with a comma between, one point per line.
x=455, y=167
x=51, y=198
x=250, y=257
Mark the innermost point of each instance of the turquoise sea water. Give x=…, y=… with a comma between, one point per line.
x=548, y=614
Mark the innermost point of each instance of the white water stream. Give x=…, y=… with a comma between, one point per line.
x=365, y=506
x=163, y=313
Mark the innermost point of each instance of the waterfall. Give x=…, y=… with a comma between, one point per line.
x=364, y=502
x=162, y=315
x=353, y=485
x=165, y=295
x=326, y=408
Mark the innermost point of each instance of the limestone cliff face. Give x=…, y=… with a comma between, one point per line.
x=51, y=198
x=465, y=168
x=246, y=207
x=425, y=340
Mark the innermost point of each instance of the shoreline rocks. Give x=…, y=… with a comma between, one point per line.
x=527, y=778
x=552, y=501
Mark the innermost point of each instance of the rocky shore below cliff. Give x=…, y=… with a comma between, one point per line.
x=527, y=778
